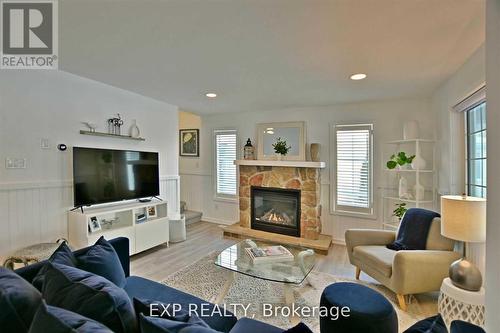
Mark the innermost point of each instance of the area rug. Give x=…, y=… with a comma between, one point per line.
x=206, y=280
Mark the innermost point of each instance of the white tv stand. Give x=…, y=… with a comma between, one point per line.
x=143, y=235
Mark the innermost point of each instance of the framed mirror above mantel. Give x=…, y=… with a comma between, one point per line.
x=293, y=133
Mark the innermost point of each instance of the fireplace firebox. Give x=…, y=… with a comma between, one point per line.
x=275, y=210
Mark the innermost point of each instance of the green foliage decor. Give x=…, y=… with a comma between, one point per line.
x=399, y=159
x=281, y=147
x=400, y=210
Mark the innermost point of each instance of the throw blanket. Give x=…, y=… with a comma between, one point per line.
x=414, y=229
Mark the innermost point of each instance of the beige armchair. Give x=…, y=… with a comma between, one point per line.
x=403, y=272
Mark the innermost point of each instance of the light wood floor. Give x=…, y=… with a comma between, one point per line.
x=204, y=237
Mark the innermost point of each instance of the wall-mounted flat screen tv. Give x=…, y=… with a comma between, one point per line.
x=106, y=175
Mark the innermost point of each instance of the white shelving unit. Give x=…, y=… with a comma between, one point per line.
x=143, y=235
x=426, y=177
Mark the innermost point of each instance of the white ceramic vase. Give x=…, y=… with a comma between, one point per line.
x=134, y=132
x=403, y=188
x=279, y=157
x=418, y=162
x=419, y=191
x=410, y=130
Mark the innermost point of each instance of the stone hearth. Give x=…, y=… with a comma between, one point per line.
x=305, y=179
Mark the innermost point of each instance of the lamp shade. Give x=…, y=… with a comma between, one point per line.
x=463, y=218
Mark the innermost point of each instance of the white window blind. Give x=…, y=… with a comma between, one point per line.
x=354, y=169
x=225, y=150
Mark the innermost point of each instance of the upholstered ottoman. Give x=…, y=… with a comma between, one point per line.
x=370, y=312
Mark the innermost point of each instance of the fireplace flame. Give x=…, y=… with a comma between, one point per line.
x=276, y=217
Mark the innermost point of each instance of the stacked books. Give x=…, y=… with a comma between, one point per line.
x=269, y=254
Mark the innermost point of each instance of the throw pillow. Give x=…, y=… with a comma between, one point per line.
x=162, y=325
x=299, y=328
x=89, y=295
x=63, y=255
x=102, y=259
x=19, y=301
x=55, y=320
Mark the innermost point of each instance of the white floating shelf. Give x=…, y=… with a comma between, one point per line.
x=290, y=164
x=397, y=142
x=409, y=170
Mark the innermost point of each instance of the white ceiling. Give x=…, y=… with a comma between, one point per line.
x=269, y=54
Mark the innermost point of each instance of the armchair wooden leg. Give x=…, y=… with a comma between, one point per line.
x=402, y=302
x=358, y=272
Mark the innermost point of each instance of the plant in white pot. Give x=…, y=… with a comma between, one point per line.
x=399, y=160
x=281, y=148
x=399, y=211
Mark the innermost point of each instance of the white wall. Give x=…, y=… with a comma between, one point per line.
x=52, y=104
x=388, y=118
x=450, y=128
x=450, y=133
x=493, y=227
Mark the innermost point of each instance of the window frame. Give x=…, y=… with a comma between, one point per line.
x=368, y=213
x=223, y=196
x=473, y=100
x=468, y=158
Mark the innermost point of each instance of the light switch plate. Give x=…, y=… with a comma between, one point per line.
x=15, y=163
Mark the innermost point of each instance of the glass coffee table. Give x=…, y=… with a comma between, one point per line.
x=292, y=272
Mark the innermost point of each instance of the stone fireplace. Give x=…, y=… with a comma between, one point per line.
x=302, y=181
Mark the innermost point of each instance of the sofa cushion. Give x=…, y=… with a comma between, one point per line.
x=55, y=320
x=162, y=325
x=159, y=309
x=90, y=295
x=19, y=301
x=247, y=325
x=101, y=259
x=379, y=258
x=146, y=289
x=63, y=255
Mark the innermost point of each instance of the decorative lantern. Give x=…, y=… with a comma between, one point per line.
x=248, y=151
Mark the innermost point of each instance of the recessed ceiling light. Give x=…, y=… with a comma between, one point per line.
x=211, y=95
x=359, y=76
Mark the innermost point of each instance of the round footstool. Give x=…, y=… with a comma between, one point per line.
x=370, y=312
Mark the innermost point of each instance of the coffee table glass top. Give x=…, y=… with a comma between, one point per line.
x=236, y=259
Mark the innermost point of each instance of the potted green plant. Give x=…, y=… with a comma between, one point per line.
x=281, y=148
x=400, y=210
x=399, y=160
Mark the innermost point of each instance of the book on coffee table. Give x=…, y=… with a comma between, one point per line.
x=269, y=254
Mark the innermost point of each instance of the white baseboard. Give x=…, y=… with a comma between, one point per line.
x=338, y=241
x=217, y=220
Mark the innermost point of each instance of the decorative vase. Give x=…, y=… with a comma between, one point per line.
x=279, y=157
x=418, y=162
x=134, y=131
x=403, y=188
x=248, y=151
x=314, y=150
x=419, y=191
x=410, y=130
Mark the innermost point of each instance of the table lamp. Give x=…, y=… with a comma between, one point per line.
x=463, y=218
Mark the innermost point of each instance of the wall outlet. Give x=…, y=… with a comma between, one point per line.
x=15, y=163
x=44, y=143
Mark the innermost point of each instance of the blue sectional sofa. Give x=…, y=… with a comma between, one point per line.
x=142, y=288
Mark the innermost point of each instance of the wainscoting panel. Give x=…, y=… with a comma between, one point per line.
x=38, y=211
x=193, y=190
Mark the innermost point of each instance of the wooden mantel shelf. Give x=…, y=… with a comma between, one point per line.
x=290, y=164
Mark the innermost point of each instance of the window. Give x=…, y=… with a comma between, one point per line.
x=353, y=193
x=225, y=151
x=476, y=150
x=474, y=109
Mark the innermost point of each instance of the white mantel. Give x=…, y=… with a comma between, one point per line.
x=291, y=164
